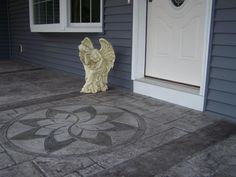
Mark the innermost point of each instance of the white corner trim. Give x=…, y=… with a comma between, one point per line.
x=194, y=101
x=139, y=39
x=206, y=46
x=185, y=99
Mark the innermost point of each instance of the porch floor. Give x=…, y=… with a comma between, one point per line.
x=49, y=129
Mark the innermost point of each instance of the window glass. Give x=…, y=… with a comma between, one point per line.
x=95, y=11
x=46, y=11
x=75, y=11
x=56, y=11
x=85, y=11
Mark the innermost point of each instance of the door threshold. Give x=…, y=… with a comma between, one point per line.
x=184, y=95
x=171, y=85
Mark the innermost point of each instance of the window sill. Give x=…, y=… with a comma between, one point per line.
x=84, y=29
x=69, y=29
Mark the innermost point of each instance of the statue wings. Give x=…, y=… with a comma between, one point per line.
x=107, y=52
x=87, y=43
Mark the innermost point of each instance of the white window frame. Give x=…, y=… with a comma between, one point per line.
x=65, y=24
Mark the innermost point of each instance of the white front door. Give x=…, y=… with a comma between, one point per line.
x=175, y=40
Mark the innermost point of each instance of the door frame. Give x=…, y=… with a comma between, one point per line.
x=141, y=85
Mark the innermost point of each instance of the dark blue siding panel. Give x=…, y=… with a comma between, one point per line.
x=222, y=97
x=4, y=37
x=223, y=62
x=221, y=91
x=222, y=109
x=221, y=4
x=60, y=50
x=225, y=39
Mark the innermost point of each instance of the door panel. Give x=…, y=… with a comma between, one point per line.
x=175, y=38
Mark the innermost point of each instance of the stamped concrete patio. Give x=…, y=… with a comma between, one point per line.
x=49, y=129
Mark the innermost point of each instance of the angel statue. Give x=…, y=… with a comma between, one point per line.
x=97, y=64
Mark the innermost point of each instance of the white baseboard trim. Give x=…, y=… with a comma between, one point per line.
x=190, y=100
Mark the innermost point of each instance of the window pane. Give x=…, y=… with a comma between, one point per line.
x=36, y=14
x=46, y=11
x=75, y=11
x=96, y=11
x=56, y=11
x=42, y=11
x=85, y=11
x=50, y=12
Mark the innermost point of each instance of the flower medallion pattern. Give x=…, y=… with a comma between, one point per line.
x=74, y=130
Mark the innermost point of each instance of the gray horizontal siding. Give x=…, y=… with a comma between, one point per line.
x=60, y=50
x=221, y=93
x=4, y=37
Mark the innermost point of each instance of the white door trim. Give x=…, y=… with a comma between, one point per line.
x=139, y=39
x=194, y=101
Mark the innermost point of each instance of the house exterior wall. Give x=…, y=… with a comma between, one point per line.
x=60, y=50
x=4, y=35
x=221, y=90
